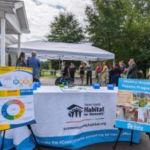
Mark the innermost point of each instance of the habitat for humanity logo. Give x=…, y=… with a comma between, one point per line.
x=75, y=111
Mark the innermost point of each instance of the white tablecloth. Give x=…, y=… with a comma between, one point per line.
x=73, y=119
x=70, y=119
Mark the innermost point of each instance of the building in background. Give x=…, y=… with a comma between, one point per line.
x=9, y=41
x=13, y=21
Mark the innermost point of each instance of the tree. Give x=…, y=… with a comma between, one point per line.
x=122, y=27
x=65, y=28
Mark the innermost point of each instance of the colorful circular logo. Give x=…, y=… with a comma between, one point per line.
x=25, y=81
x=13, y=110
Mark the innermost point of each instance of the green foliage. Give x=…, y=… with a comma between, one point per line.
x=45, y=65
x=47, y=74
x=65, y=28
x=143, y=102
x=55, y=64
x=122, y=27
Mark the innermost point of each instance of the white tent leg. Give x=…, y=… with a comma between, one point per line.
x=114, y=62
x=19, y=44
x=59, y=64
x=3, y=44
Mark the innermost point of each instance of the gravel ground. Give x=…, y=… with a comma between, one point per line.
x=51, y=81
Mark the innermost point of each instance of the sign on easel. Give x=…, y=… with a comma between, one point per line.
x=133, y=106
x=16, y=97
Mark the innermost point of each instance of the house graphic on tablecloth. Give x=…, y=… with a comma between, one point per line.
x=75, y=111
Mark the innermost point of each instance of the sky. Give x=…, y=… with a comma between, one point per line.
x=41, y=13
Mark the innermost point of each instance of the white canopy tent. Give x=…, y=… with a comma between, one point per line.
x=63, y=51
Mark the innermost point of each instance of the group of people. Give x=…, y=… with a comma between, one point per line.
x=71, y=70
x=32, y=62
x=120, y=70
x=111, y=74
x=105, y=74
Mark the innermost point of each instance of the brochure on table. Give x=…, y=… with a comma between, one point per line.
x=16, y=97
x=133, y=107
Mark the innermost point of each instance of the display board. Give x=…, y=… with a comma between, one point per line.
x=12, y=78
x=16, y=97
x=133, y=107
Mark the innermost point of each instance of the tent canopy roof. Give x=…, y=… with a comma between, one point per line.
x=65, y=51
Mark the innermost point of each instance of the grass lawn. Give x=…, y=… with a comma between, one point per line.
x=47, y=74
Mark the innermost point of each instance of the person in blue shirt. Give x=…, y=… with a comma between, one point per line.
x=34, y=63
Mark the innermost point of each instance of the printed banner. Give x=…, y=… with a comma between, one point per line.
x=133, y=107
x=16, y=97
x=85, y=118
x=12, y=78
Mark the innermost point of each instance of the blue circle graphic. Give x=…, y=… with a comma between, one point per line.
x=16, y=81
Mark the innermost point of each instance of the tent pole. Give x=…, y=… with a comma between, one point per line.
x=19, y=44
x=114, y=62
x=59, y=63
x=3, y=44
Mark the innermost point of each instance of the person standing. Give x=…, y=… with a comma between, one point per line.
x=98, y=71
x=82, y=72
x=64, y=69
x=122, y=66
x=111, y=67
x=34, y=63
x=21, y=61
x=116, y=72
x=72, y=71
x=105, y=74
x=148, y=73
x=89, y=68
x=132, y=70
